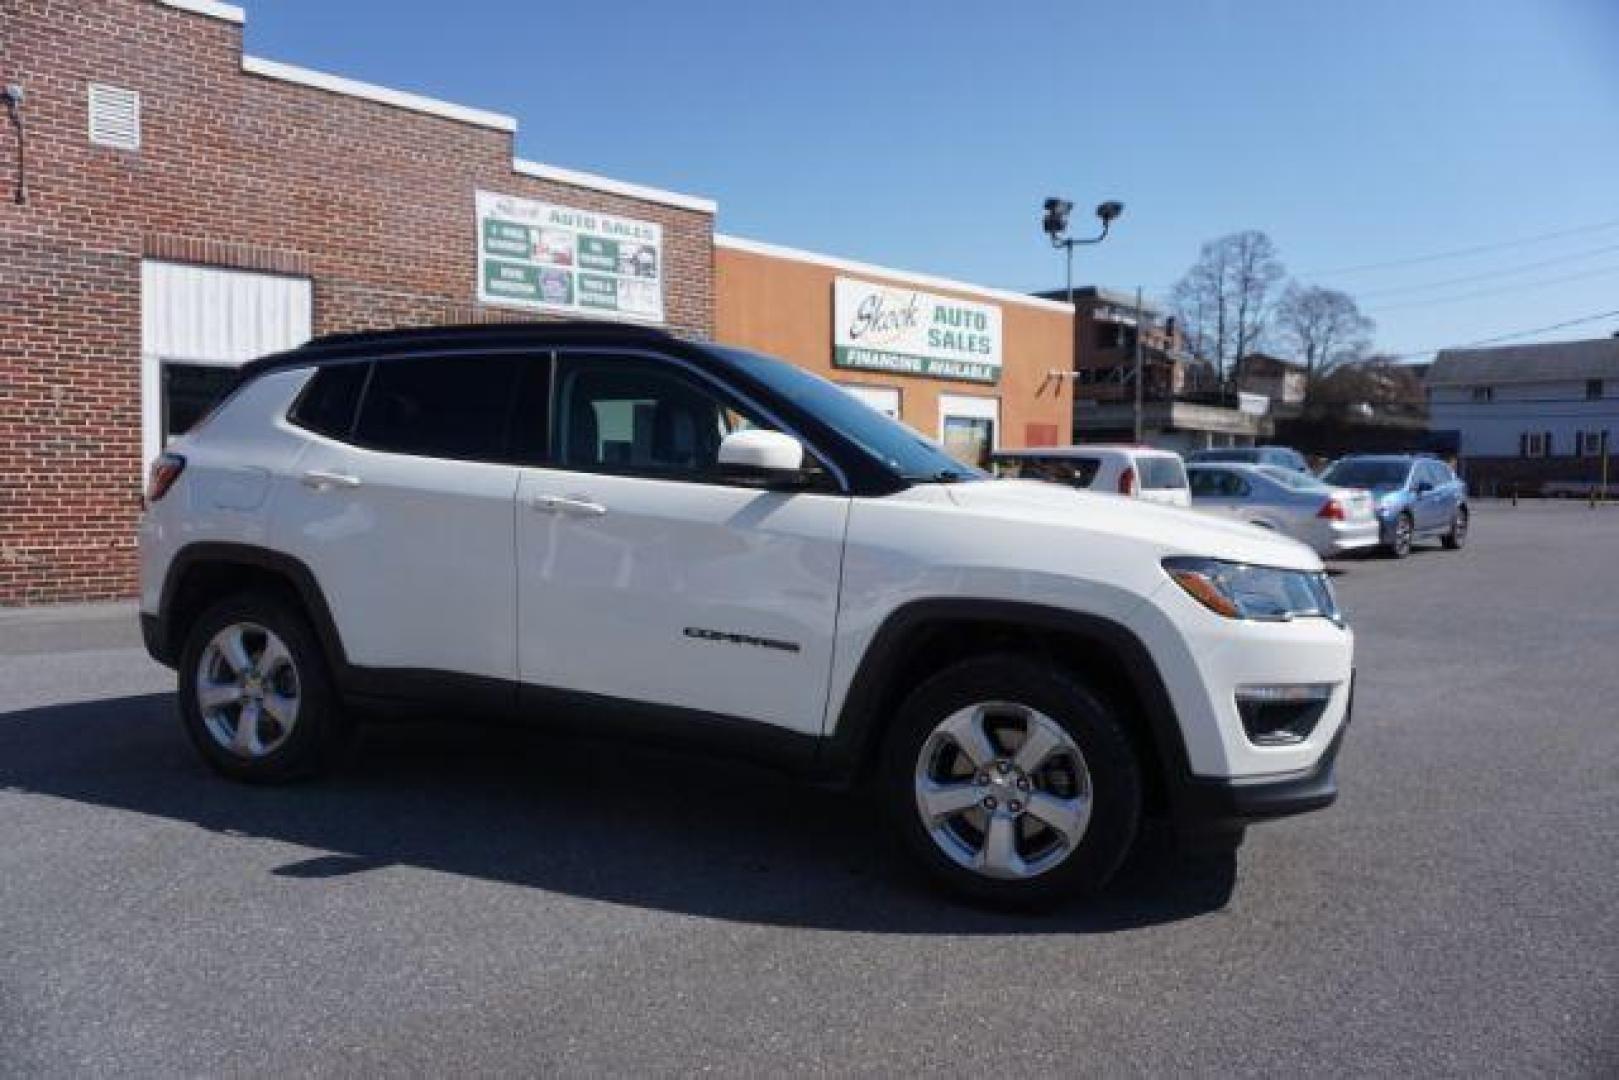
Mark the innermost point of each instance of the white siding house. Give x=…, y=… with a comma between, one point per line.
x=1529, y=414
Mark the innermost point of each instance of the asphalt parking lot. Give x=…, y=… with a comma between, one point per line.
x=475, y=900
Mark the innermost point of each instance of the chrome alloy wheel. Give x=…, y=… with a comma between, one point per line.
x=248, y=690
x=1003, y=790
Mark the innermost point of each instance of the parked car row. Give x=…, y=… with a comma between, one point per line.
x=1359, y=502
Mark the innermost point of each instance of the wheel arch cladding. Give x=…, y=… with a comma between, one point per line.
x=201, y=574
x=927, y=636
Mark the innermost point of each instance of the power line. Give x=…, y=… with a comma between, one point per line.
x=1498, y=290
x=1507, y=337
x=1461, y=252
x=1575, y=257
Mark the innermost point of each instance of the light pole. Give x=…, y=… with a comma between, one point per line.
x=1055, y=224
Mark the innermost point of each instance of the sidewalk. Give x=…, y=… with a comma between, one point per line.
x=51, y=628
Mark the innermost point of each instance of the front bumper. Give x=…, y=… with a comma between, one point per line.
x=1206, y=809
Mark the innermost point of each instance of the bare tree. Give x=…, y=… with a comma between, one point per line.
x=1224, y=301
x=1324, y=327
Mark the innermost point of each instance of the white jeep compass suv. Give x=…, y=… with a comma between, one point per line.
x=618, y=532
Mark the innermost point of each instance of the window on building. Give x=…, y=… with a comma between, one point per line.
x=453, y=407
x=1483, y=393
x=190, y=392
x=1591, y=443
x=1593, y=389
x=1535, y=443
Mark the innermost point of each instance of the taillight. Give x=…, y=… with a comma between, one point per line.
x=1333, y=510
x=165, y=471
x=1127, y=481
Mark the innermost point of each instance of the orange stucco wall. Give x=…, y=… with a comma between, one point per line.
x=783, y=306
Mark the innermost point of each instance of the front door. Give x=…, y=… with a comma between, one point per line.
x=644, y=577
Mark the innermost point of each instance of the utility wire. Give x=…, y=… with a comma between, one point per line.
x=1507, y=337
x=1460, y=252
x=1497, y=290
x=1486, y=275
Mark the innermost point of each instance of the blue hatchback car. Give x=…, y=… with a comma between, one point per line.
x=1415, y=497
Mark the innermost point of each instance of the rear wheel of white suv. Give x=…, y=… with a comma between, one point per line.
x=1012, y=782
x=255, y=694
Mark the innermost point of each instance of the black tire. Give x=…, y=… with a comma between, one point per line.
x=1093, y=725
x=1457, y=536
x=1399, y=545
x=321, y=733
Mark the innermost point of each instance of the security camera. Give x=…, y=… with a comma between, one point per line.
x=1109, y=210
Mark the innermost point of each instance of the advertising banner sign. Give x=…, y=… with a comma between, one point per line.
x=557, y=259
x=886, y=328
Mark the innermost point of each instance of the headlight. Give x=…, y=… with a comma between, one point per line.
x=1238, y=591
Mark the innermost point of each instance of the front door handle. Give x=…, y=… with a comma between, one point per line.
x=582, y=505
x=321, y=480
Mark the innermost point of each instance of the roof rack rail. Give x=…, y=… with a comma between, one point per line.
x=497, y=329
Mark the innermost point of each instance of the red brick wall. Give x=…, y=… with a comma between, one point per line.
x=374, y=202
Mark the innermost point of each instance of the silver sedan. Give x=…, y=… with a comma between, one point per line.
x=1332, y=520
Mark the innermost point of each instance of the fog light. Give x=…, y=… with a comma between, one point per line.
x=1279, y=715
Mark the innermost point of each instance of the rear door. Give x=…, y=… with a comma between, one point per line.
x=644, y=576
x=405, y=513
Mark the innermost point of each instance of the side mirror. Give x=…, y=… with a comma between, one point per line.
x=1423, y=487
x=767, y=459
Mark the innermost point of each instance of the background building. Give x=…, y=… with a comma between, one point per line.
x=1530, y=418
x=976, y=368
x=188, y=207
x=1183, y=408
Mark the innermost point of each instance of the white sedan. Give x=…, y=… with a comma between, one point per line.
x=1332, y=520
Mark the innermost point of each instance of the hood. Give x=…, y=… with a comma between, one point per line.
x=1173, y=530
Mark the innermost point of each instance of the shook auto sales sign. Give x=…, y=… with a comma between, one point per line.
x=884, y=328
x=555, y=258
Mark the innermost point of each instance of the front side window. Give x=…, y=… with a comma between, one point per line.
x=637, y=417
x=898, y=447
x=447, y=407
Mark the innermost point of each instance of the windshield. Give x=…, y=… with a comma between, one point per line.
x=902, y=449
x=1368, y=474
x=1297, y=481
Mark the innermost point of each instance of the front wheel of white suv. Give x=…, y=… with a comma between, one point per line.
x=255, y=695
x=1012, y=782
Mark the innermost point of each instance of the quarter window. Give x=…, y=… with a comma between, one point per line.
x=449, y=407
x=328, y=403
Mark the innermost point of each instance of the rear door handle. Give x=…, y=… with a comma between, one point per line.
x=582, y=505
x=321, y=480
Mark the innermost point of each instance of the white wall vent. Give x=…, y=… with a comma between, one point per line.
x=115, y=117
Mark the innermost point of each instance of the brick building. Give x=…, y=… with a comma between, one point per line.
x=182, y=207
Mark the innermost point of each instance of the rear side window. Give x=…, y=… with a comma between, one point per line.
x=449, y=407
x=1159, y=473
x=1074, y=471
x=328, y=403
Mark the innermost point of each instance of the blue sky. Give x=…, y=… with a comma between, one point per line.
x=925, y=135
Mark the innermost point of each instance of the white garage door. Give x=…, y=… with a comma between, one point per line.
x=198, y=324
